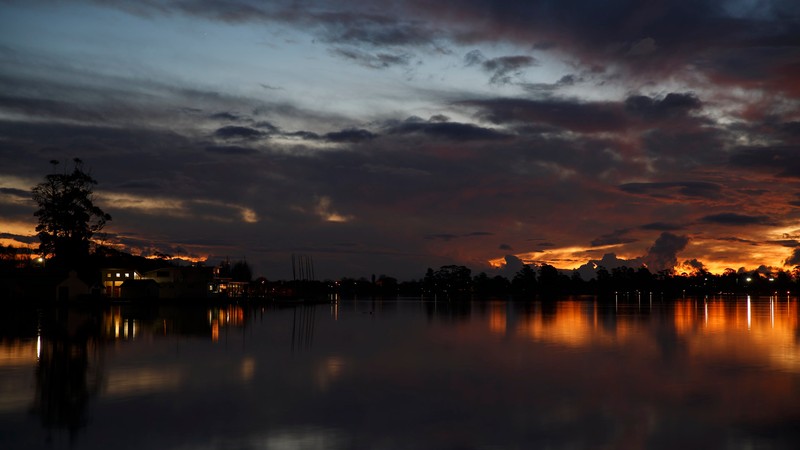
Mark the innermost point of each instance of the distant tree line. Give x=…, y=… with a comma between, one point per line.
x=545, y=281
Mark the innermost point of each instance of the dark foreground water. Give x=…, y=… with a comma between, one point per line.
x=580, y=373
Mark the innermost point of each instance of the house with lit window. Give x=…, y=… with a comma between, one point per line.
x=113, y=279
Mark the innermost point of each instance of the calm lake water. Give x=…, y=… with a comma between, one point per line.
x=406, y=374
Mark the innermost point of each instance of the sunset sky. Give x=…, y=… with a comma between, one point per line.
x=385, y=137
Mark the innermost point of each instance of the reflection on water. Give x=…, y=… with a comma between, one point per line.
x=715, y=372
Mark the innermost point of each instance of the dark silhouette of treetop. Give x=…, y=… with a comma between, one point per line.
x=68, y=217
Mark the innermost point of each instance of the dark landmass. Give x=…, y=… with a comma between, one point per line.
x=24, y=278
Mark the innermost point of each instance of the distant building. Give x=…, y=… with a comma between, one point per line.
x=222, y=284
x=113, y=279
x=71, y=288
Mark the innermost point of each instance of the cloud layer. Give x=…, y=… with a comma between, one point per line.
x=392, y=136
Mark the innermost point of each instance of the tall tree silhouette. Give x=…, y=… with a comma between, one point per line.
x=68, y=217
x=241, y=272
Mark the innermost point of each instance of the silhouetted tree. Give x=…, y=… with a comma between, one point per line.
x=241, y=272
x=549, y=279
x=524, y=282
x=429, y=282
x=68, y=217
x=576, y=282
x=386, y=286
x=483, y=286
x=453, y=280
x=603, y=280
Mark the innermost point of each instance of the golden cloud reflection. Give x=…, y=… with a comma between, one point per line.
x=742, y=327
x=572, y=323
x=759, y=332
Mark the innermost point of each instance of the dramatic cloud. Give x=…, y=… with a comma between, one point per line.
x=503, y=68
x=568, y=114
x=236, y=132
x=613, y=238
x=672, y=189
x=663, y=255
x=672, y=105
x=793, y=259
x=351, y=135
x=448, y=130
x=779, y=160
x=735, y=219
x=373, y=61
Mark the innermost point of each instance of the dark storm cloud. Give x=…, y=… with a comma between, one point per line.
x=373, y=61
x=20, y=238
x=271, y=129
x=790, y=129
x=15, y=192
x=47, y=140
x=308, y=135
x=698, y=189
x=546, y=88
x=793, y=259
x=737, y=239
x=231, y=150
x=568, y=114
x=782, y=161
x=448, y=130
x=506, y=67
x=49, y=108
x=791, y=243
x=502, y=68
x=663, y=255
x=574, y=115
x=672, y=105
x=350, y=135
x=694, y=264
x=613, y=238
x=685, y=146
x=735, y=219
x=226, y=116
x=237, y=132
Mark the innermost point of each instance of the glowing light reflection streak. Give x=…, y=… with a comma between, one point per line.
x=748, y=312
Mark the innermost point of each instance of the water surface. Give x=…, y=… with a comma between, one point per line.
x=405, y=374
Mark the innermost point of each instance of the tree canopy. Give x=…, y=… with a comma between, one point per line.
x=68, y=216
